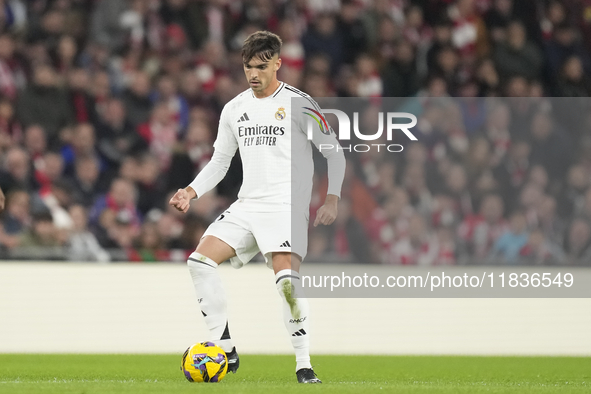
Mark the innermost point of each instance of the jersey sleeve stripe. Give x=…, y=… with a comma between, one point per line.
x=306, y=96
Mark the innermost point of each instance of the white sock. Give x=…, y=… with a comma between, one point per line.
x=211, y=297
x=296, y=315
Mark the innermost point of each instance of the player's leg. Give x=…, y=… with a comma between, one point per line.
x=211, y=296
x=296, y=312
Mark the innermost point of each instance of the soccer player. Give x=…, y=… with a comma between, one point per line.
x=265, y=217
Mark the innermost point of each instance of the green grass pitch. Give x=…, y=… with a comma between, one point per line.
x=158, y=374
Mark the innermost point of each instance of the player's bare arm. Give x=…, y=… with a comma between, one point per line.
x=327, y=213
x=182, y=199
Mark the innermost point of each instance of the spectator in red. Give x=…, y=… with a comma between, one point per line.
x=418, y=247
x=160, y=133
x=415, y=31
x=446, y=246
x=370, y=83
x=12, y=75
x=553, y=17
x=79, y=97
x=444, y=211
x=211, y=64
x=389, y=223
x=35, y=141
x=469, y=33
x=48, y=168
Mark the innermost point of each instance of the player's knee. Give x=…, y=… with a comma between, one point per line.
x=197, y=261
x=285, y=261
x=215, y=249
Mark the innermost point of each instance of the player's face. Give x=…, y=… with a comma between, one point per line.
x=262, y=75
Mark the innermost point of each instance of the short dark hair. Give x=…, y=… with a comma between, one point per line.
x=261, y=44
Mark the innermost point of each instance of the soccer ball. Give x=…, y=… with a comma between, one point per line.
x=204, y=362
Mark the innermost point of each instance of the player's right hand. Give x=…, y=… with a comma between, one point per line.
x=181, y=200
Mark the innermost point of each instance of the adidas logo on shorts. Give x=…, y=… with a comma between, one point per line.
x=285, y=245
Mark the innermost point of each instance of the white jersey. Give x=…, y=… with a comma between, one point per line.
x=273, y=146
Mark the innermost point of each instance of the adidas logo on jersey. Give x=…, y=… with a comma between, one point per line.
x=285, y=245
x=243, y=118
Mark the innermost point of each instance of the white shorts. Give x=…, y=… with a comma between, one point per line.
x=252, y=232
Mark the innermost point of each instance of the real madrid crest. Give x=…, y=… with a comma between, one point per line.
x=280, y=114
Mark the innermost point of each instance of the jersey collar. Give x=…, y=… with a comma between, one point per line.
x=275, y=93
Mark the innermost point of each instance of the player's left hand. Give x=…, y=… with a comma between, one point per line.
x=327, y=213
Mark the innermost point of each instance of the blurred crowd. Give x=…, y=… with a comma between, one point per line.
x=108, y=106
